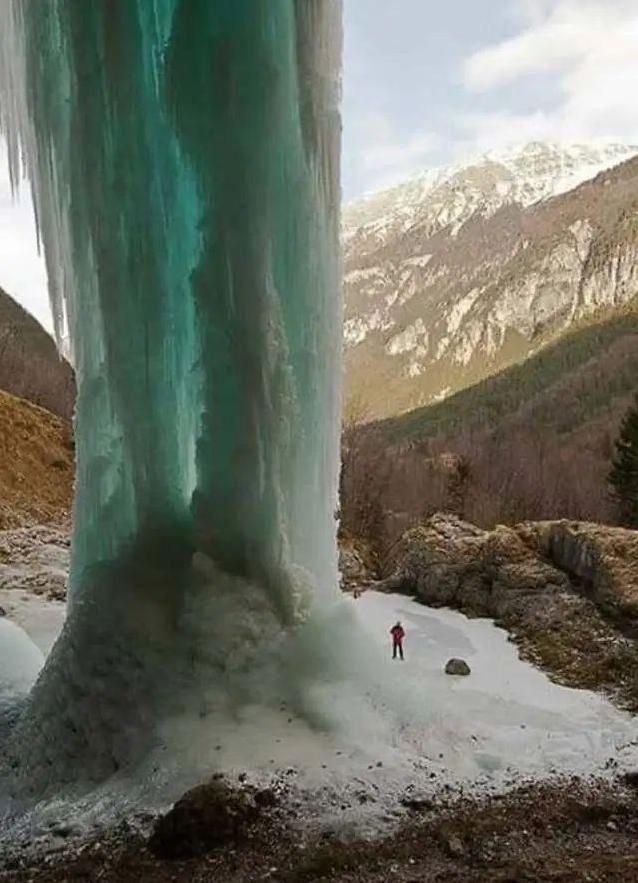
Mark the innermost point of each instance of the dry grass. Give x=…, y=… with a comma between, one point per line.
x=36, y=465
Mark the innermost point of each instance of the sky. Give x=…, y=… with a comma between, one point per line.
x=427, y=83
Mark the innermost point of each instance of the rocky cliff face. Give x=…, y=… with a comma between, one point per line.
x=466, y=270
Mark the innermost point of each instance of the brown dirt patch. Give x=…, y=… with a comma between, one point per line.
x=570, y=832
x=36, y=465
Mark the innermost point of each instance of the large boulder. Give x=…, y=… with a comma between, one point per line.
x=206, y=818
x=447, y=561
x=458, y=667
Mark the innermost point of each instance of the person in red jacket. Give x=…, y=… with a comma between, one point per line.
x=398, y=635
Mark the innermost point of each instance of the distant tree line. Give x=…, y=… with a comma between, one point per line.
x=515, y=473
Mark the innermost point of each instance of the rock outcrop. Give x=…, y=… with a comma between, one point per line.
x=35, y=560
x=603, y=559
x=566, y=591
x=357, y=563
x=449, y=562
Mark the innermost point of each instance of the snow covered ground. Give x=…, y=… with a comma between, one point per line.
x=505, y=720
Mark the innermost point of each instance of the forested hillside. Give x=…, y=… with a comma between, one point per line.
x=534, y=442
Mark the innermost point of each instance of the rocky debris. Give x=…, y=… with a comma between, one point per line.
x=206, y=818
x=565, y=591
x=567, y=830
x=266, y=797
x=35, y=560
x=454, y=846
x=417, y=803
x=357, y=564
x=457, y=667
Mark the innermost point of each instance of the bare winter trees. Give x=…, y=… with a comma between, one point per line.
x=487, y=477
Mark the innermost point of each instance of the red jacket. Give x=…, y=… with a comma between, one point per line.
x=397, y=633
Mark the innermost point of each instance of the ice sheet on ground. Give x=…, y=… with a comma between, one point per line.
x=507, y=715
x=504, y=721
x=408, y=724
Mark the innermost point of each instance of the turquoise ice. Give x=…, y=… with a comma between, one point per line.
x=184, y=159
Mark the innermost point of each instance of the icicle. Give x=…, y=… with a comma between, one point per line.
x=184, y=162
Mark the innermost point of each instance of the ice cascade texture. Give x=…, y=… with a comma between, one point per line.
x=184, y=161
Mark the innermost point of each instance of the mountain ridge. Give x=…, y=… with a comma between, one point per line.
x=432, y=309
x=552, y=168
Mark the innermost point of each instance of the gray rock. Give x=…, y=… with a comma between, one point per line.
x=457, y=667
x=455, y=846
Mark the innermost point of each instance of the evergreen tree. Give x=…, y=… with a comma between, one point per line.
x=623, y=476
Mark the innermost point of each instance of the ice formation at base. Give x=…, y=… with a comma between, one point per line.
x=184, y=161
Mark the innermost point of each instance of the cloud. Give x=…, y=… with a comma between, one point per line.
x=591, y=46
x=383, y=158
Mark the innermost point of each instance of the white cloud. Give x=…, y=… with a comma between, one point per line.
x=382, y=157
x=591, y=46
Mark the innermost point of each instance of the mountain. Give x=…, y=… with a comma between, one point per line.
x=463, y=271
x=590, y=373
x=30, y=365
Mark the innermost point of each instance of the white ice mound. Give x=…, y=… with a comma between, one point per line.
x=20, y=664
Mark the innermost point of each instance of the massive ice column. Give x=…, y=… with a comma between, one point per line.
x=184, y=161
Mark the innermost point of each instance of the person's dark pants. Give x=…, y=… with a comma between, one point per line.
x=397, y=646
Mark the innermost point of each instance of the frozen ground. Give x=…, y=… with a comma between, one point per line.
x=505, y=719
x=408, y=727
x=507, y=715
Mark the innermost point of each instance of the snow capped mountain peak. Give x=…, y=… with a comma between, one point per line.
x=450, y=195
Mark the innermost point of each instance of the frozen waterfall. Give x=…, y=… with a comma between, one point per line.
x=184, y=159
